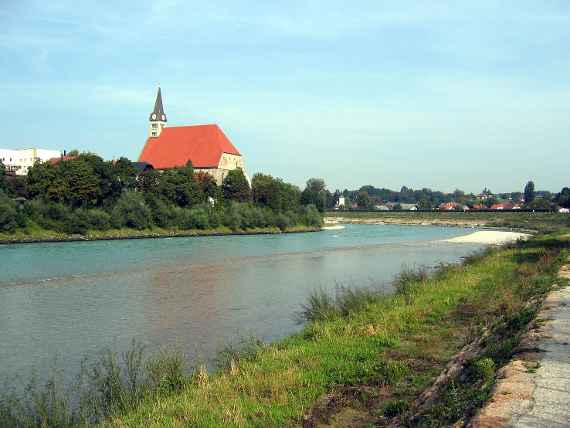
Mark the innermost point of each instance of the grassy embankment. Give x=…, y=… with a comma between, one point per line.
x=374, y=353
x=37, y=234
x=540, y=221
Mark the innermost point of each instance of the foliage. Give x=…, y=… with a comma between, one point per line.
x=235, y=187
x=529, y=193
x=84, y=193
x=363, y=200
x=131, y=211
x=3, y=183
x=563, y=198
x=315, y=193
x=8, y=213
x=107, y=384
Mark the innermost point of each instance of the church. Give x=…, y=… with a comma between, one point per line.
x=206, y=146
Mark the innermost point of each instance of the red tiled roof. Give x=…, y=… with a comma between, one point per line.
x=175, y=146
x=55, y=161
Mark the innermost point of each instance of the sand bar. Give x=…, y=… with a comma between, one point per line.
x=493, y=237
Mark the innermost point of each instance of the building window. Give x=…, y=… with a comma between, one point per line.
x=154, y=133
x=155, y=125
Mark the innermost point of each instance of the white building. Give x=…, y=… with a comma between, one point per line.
x=18, y=162
x=341, y=203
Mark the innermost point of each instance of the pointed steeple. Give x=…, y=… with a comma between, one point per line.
x=157, y=114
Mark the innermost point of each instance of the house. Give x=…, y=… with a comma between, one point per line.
x=206, y=146
x=409, y=207
x=507, y=205
x=341, y=203
x=448, y=206
x=18, y=162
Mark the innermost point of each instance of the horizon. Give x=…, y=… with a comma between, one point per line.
x=413, y=94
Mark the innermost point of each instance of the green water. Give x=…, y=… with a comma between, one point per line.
x=61, y=301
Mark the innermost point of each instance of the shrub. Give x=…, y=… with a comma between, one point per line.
x=310, y=216
x=98, y=219
x=132, y=211
x=282, y=221
x=8, y=214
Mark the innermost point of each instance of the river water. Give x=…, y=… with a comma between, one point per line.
x=61, y=301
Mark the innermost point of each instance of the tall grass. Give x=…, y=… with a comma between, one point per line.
x=108, y=385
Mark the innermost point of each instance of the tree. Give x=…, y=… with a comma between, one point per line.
x=131, y=211
x=82, y=186
x=315, y=194
x=363, y=200
x=275, y=193
x=529, y=193
x=8, y=214
x=235, y=187
x=563, y=198
x=177, y=186
x=3, y=184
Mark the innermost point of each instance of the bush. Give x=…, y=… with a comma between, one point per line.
x=98, y=219
x=132, y=211
x=310, y=216
x=195, y=218
x=8, y=214
x=282, y=221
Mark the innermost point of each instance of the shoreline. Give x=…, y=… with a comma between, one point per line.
x=124, y=234
x=467, y=224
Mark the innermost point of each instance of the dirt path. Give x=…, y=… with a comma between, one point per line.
x=534, y=388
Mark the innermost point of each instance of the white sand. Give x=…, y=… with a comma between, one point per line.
x=333, y=227
x=492, y=237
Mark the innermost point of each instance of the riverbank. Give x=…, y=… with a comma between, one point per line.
x=38, y=236
x=521, y=221
x=365, y=357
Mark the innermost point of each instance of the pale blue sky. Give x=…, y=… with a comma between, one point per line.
x=440, y=94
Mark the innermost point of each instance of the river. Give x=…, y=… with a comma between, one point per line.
x=62, y=301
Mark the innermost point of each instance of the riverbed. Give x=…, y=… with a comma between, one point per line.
x=62, y=301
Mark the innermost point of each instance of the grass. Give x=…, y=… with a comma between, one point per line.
x=540, y=221
x=36, y=234
x=396, y=344
x=374, y=352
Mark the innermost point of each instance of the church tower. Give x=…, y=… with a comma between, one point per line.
x=157, y=118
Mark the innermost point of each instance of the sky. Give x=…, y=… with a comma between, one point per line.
x=425, y=93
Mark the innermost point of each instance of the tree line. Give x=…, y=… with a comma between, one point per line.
x=88, y=193
x=427, y=199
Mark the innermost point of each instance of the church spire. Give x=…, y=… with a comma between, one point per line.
x=157, y=118
x=158, y=112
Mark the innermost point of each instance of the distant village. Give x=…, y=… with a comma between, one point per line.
x=374, y=199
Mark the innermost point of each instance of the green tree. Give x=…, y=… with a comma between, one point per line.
x=315, y=194
x=82, y=186
x=363, y=200
x=3, y=184
x=177, y=186
x=131, y=211
x=275, y=193
x=8, y=213
x=235, y=187
x=529, y=193
x=563, y=198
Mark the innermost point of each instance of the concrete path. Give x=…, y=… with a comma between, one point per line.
x=533, y=390
x=550, y=401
